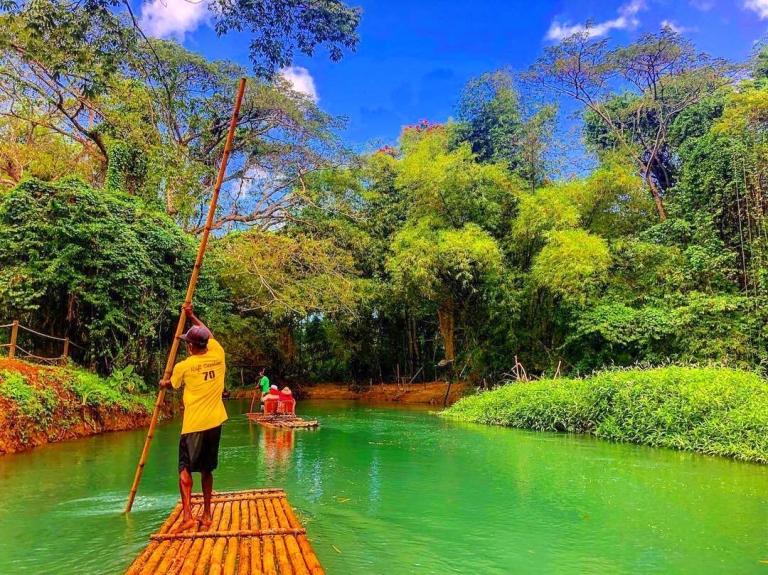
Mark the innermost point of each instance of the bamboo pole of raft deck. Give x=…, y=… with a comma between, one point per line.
x=213, y=549
x=308, y=555
x=138, y=565
x=244, y=561
x=255, y=543
x=281, y=553
x=179, y=549
x=216, y=499
x=171, y=554
x=189, y=547
x=240, y=494
x=267, y=547
x=198, y=547
x=292, y=546
x=268, y=556
x=190, y=293
x=271, y=532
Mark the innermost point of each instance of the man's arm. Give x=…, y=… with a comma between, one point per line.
x=190, y=313
x=177, y=377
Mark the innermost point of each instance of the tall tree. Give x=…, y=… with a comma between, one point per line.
x=661, y=75
x=99, y=266
x=446, y=251
x=501, y=127
x=164, y=111
x=490, y=118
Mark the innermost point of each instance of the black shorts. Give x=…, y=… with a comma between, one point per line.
x=199, y=450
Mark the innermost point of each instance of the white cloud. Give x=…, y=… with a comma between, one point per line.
x=759, y=6
x=677, y=28
x=254, y=176
x=703, y=5
x=301, y=81
x=627, y=20
x=173, y=18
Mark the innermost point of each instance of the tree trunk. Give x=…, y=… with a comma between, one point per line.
x=415, y=360
x=287, y=345
x=656, y=196
x=445, y=316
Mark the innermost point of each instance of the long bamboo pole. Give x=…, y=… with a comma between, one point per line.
x=190, y=292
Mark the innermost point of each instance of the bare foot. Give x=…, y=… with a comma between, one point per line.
x=205, y=521
x=188, y=524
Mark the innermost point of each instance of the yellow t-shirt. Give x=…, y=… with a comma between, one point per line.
x=203, y=379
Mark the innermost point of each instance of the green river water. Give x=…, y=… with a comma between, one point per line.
x=397, y=490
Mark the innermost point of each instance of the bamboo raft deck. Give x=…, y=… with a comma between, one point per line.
x=254, y=532
x=282, y=421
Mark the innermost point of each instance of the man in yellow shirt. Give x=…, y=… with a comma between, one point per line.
x=202, y=375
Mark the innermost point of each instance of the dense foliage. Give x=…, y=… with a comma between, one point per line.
x=713, y=411
x=649, y=257
x=277, y=28
x=459, y=250
x=99, y=265
x=578, y=273
x=85, y=94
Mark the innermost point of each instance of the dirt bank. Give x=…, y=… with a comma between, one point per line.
x=431, y=393
x=40, y=405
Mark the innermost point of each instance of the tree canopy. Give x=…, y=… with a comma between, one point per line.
x=278, y=28
x=460, y=246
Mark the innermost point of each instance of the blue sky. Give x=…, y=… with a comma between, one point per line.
x=415, y=55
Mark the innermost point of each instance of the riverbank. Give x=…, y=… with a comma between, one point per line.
x=429, y=393
x=708, y=410
x=41, y=404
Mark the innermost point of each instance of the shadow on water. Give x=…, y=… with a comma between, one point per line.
x=398, y=490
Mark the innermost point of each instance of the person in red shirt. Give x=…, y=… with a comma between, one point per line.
x=286, y=401
x=271, y=400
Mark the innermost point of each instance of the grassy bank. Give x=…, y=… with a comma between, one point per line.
x=41, y=405
x=709, y=410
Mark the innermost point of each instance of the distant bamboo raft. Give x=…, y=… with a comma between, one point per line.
x=282, y=420
x=253, y=532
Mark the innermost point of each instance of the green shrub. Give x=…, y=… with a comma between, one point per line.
x=127, y=379
x=31, y=402
x=710, y=410
x=39, y=403
x=95, y=391
x=15, y=388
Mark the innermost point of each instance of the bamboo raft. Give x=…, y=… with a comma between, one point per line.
x=253, y=532
x=283, y=421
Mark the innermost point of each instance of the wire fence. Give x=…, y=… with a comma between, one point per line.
x=15, y=349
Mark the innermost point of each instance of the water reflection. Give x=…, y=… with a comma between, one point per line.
x=277, y=444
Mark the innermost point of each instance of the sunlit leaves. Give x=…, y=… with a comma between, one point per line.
x=434, y=262
x=572, y=264
x=281, y=275
x=452, y=186
x=279, y=28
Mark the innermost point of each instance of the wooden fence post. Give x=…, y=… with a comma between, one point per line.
x=14, y=336
x=65, y=354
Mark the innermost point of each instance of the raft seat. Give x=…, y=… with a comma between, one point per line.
x=280, y=407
